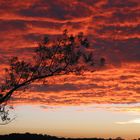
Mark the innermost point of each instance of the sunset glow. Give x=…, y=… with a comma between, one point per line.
x=102, y=103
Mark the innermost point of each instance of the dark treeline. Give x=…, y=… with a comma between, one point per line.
x=28, y=136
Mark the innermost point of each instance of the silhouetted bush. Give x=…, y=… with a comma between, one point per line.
x=28, y=136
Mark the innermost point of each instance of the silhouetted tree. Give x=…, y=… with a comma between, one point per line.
x=28, y=136
x=68, y=54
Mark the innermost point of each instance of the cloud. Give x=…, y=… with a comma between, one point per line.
x=98, y=87
x=120, y=4
x=114, y=32
x=135, y=121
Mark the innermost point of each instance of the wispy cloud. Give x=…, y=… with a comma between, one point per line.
x=112, y=26
x=99, y=87
x=113, y=29
x=135, y=121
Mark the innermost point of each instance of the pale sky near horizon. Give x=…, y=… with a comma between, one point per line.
x=76, y=121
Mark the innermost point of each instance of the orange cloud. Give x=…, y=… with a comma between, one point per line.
x=100, y=87
x=113, y=29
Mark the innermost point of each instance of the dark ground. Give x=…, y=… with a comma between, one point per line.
x=28, y=136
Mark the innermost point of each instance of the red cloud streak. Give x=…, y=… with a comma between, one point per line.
x=113, y=28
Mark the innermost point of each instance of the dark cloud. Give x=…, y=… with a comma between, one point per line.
x=63, y=87
x=58, y=9
x=119, y=30
x=113, y=28
x=12, y=25
x=117, y=51
x=120, y=16
x=120, y=4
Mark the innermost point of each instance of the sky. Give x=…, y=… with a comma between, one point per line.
x=104, y=103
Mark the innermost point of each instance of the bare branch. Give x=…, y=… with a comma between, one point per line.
x=69, y=54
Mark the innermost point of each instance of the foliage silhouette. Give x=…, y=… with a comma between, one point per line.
x=28, y=136
x=68, y=54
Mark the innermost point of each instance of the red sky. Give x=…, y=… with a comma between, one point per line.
x=113, y=28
